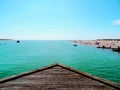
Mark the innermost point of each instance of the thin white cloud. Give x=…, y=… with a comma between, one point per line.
x=116, y=22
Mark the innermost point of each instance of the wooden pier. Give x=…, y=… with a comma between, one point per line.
x=56, y=77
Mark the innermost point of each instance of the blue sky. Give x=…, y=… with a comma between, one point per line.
x=59, y=19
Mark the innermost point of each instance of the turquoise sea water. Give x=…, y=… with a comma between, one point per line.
x=28, y=55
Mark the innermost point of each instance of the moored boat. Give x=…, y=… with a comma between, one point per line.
x=116, y=49
x=18, y=41
x=74, y=44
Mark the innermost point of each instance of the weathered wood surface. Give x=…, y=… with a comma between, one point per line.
x=56, y=77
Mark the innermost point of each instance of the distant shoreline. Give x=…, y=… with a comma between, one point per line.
x=109, y=39
x=113, y=44
x=6, y=39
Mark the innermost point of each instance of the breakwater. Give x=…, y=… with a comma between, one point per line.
x=114, y=45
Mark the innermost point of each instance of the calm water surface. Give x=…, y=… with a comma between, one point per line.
x=16, y=58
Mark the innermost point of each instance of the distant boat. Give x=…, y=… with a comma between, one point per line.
x=75, y=45
x=116, y=49
x=18, y=41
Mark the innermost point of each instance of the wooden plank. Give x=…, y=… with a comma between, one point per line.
x=26, y=73
x=56, y=77
x=115, y=85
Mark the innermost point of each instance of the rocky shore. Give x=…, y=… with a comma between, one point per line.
x=104, y=44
